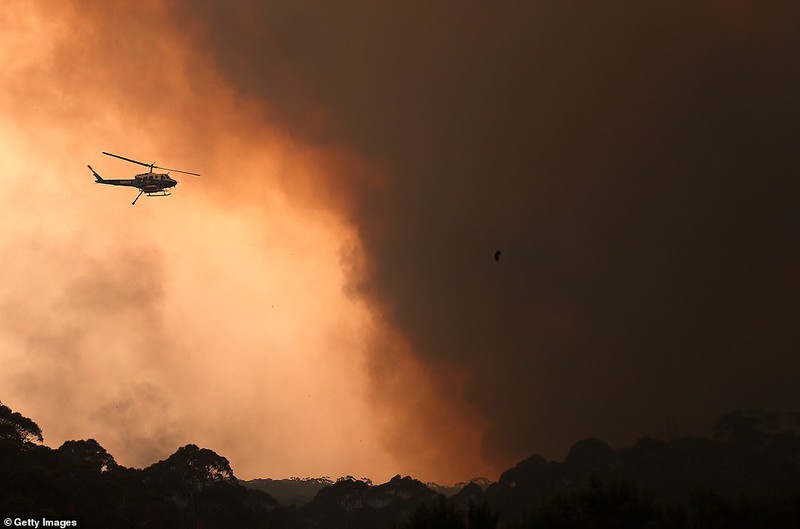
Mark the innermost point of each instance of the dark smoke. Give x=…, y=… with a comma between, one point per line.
x=636, y=163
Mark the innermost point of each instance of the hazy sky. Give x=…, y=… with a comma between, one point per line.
x=324, y=300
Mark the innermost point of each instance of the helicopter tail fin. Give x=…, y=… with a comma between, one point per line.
x=96, y=176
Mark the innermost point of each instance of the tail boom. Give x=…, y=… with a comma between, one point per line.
x=97, y=177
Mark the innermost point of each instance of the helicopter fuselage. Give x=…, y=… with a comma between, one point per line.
x=149, y=182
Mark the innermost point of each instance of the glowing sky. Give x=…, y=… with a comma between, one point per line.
x=324, y=299
x=220, y=316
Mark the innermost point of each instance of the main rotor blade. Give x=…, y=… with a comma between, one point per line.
x=174, y=170
x=151, y=165
x=126, y=159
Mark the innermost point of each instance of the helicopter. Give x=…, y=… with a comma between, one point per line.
x=150, y=183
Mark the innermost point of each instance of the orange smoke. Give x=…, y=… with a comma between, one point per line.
x=223, y=316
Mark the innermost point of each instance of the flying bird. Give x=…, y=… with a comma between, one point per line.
x=497, y=255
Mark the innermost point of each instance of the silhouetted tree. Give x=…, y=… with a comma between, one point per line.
x=751, y=429
x=90, y=453
x=481, y=516
x=440, y=514
x=618, y=505
x=18, y=429
x=191, y=466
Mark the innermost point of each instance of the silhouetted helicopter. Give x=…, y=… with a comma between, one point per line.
x=150, y=183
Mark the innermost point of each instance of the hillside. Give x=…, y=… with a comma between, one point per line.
x=750, y=471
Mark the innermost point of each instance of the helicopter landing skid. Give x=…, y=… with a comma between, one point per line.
x=162, y=193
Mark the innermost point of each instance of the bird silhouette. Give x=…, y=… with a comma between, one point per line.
x=497, y=255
